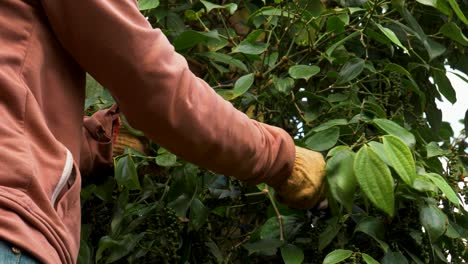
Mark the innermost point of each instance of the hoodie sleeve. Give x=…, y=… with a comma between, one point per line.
x=159, y=95
x=98, y=136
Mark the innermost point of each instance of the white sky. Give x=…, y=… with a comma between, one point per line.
x=454, y=113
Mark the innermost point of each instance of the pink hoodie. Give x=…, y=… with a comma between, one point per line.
x=46, y=46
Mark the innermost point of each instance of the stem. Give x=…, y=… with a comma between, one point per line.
x=278, y=214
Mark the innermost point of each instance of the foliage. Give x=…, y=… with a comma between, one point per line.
x=356, y=79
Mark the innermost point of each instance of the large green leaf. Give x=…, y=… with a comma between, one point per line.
x=148, y=4
x=374, y=228
x=166, y=159
x=251, y=45
x=375, y=179
x=262, y=245
x=337, y=256
x=292, y=254
x=350, y=70
x=341, y=178
x=393, y=128
x=198, y=214
x=337, y=44
x=394, y=258
x=329, y=124
x=224, y=58
x=241, y=86
x=458, y=11
x=433, y=150
x=231, y=7
x=323, y=140
x=435, y=222
x=303, y=71
x=332, y=229
x=118, y=248
x=452, y=31
x=271, y=229
x=190, y=38
x=380, y=151
x=283, y=85
x=126, y=173
x=444, y=187
x=433, y=48
x=392, y=37
x=400, y=157
x=368, y=259
x=439, y=4
x=444, y=85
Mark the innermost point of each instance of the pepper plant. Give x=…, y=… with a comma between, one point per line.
x=355, y=79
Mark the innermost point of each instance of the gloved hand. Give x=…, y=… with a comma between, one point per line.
x=304, y=188
x=125, y=139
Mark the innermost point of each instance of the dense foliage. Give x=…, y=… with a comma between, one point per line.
x=355, y=79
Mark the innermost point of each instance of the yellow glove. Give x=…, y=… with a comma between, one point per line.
x=125, y=139
x=304, y=188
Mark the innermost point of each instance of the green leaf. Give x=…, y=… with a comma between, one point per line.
x=400, y=157
x=231, y=7
x=374, y=108
x=190, y=38
x=243, y=84
x=380, y=151
x=368, y=259
x=423, y=184
x=433, y=150
x=198, y=214
x=444, y=187
x=148, y=4
x=283, y=85
x=330, y=124
x=303, y=71
x=394, y=258
x=224, y=58
x=458, y=11
x=323, y=140
x=166, y=159
x=292, y=254
x=271, y=229
x=337, y=256
x=393, y=128
x=264, y=244
x=329, y=233
x=444, y=85
x=397, y=68
x=251, y=45
x=341, y=178
x=375, y=179
x=117, y=248
x=334, y=151
x=433, y=48
x=435, y=222
x=270, y=11
x=350, y=70
x=337, y=44
x=451, y=30
x=374, y=228
x=392, y=37
x=126, y=173
x=439, y=4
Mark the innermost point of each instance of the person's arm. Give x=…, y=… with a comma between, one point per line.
x=160, y=96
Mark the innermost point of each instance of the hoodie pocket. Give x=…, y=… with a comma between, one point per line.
x=65, y=181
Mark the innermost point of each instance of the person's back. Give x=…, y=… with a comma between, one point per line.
x=45, y=48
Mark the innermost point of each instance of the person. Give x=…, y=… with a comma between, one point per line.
x=46, y=46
